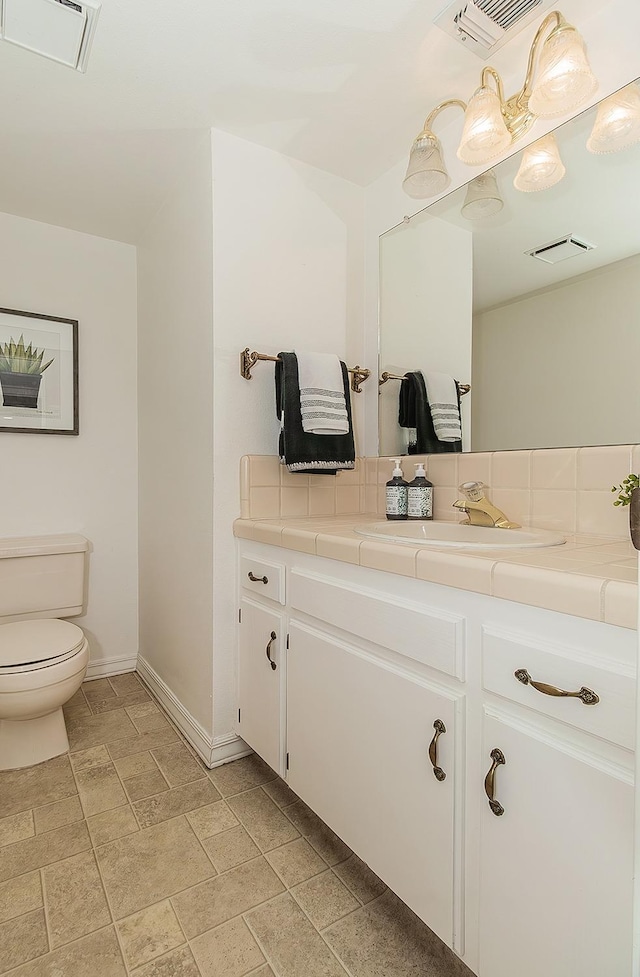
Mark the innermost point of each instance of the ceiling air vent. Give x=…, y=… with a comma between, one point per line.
x=483, y=26
x=565, y=247
x=61, y=30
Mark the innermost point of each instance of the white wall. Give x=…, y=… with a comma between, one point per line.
x=288, y=273
x=175, y=343
x=85, y=484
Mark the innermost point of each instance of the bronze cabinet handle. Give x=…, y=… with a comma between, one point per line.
x=440, y=728
x=255, y=579
x=497, y=757
x=268, y=650
x=586, y=696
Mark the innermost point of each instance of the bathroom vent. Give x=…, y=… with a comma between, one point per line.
x=61, y=30
x=483, y=26
x=565, y=247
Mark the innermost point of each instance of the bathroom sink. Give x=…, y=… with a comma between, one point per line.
x=458, y=535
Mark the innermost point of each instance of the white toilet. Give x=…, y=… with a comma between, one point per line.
x=43, y=660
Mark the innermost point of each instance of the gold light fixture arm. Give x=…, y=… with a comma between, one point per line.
x=439, y=108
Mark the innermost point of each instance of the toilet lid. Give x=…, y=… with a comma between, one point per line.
x=34, y=642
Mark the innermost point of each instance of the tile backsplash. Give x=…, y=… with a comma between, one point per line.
x=565, y=489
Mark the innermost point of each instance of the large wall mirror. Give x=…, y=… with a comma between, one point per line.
x=549, y=343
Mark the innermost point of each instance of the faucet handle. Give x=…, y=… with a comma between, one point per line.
x=474, y=491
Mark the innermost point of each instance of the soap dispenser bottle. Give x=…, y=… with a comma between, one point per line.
x=420, y=495
x=396, y=495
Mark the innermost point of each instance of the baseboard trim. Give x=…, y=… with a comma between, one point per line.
x=111, y=666
x=227, y=748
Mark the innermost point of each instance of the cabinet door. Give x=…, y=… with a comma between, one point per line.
x=358, y=736
x=556, y=867
x=259, y=683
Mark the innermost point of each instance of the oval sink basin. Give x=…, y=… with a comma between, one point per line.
x=458, y=535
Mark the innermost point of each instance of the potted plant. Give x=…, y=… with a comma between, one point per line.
x=629, y=494
x=21, y=372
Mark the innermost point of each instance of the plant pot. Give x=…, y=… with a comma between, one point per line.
x=20, y=389
x=634, y=518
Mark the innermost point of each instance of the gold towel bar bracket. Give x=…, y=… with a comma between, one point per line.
x=249, y=359
x=464, y=388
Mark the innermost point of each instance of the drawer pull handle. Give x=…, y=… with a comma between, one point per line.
x=268, y=650
x=490, y=782
x=440, y=728
x=252, y=577
x=586, y=696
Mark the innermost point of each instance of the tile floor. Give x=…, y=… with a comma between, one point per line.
x=128, y=856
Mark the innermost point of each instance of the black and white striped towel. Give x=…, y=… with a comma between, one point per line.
x=442, y=395
x=322, y=403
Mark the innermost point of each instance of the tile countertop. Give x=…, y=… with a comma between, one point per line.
x=595, y=577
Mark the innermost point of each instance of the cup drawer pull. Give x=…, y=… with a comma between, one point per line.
x=586, y=696
x=252, y=577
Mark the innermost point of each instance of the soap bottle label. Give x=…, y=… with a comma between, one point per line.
x=396, y=500
x=420, y=504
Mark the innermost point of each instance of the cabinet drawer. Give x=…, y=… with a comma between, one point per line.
x=262, y=578
x=424, y=634
x=567, y=669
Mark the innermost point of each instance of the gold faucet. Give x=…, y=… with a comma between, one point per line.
x=480, y=511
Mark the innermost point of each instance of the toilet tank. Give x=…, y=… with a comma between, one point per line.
x=42, y=576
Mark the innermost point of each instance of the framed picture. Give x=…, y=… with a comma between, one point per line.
x=38, y=373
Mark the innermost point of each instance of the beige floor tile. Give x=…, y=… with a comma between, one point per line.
x=232, y=778
x=211, y=820
x=296, y=862
x=150, y=933
x=16, y=827
x=100, y=789
x=228, y=951
x=126, y=683
x=178, y=765
x=77, y=707
x=118, y=702
x=58, y=814
x=178, y=963
x=265, y=971
x=52, y=846
x=189, y=797
x=111, y=825
x=100, y=688
x=230, y=848
x=281, y=793
x=151, y=723
x=359, y=878
x=99, y=730
x=23, y=789
x=19, y=896
x=325, y=899
x=386, y=938
x=80, y=959
x=22, y=939
x=220, y=899
x=291, y=943
x=140, y=743
x=74, y=899
x=86, y=759
x=146, y=784
x=151, y=865
x=263, y=819
x=322, y=838
x=134, y=766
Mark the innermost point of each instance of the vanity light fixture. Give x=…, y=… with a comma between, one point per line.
x=617, y=124
x=540, y=167
x=483, y=197
x=558, y=79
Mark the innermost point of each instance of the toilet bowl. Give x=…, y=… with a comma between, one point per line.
x=42, y=664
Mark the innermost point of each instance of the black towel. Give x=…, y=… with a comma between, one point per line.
x=313, y=454
x=414, y=412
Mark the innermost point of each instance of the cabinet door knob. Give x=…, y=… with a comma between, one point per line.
x=586, y=696
x=440, y=728
x=497, y=757
x=273, y=638
x=252, y=577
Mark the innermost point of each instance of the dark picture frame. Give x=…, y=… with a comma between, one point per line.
x=38, y=373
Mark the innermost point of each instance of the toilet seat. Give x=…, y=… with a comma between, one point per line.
x=29, y=645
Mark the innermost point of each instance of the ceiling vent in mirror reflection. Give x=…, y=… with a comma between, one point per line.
x=565, y=247
x=483, y=26
x=60, y=30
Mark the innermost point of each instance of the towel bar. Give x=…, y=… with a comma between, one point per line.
x=464, y=388
x=248, y=361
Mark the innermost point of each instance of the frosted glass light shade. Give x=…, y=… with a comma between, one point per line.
x=483, y=197
x=426, y=173
x=541, y=166
x=617, y=124
x=485, y=135
x=564, y=79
